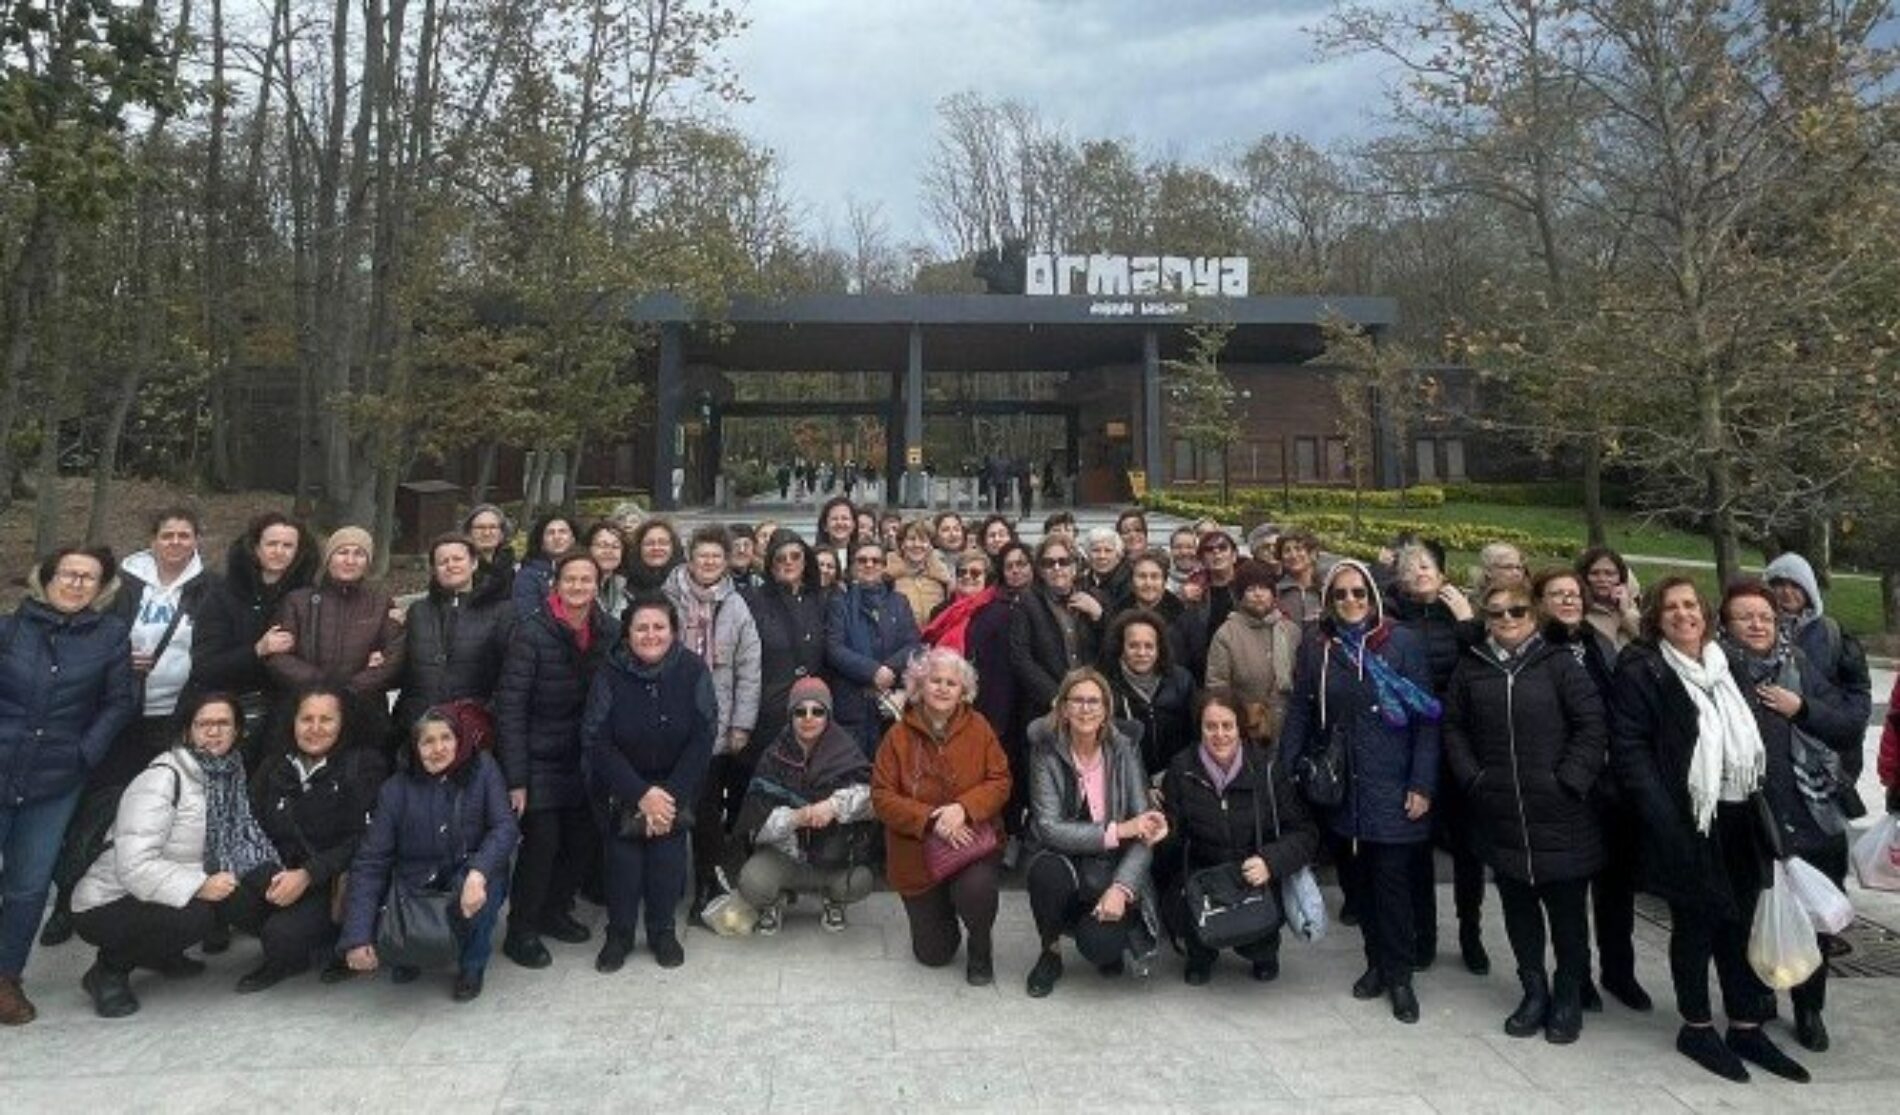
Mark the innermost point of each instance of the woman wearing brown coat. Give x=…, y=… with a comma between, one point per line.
x=941, y=771
x=342, y=633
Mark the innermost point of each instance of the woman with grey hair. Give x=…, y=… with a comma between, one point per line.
x=1107, y=572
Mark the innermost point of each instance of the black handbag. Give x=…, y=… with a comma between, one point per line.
x=1224, y=911
x=840, y=846
x=420, y=926
x=1322, y=775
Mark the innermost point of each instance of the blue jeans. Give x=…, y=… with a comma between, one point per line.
x=480, y=942
x=30, y=836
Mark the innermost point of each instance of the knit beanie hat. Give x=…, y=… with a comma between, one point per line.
x=347, y=536
x=809, y=689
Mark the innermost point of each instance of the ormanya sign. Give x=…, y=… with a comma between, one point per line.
x=1119, y=276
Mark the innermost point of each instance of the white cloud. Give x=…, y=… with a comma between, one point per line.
x=846, y=90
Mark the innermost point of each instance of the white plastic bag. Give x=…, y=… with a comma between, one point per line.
x=1303, y=905
x=1827, y=907
x=1877, y=855
x=1781, y=944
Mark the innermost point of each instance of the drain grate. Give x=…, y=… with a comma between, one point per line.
x=1872, y=950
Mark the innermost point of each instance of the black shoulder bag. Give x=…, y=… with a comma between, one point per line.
x=418, y=928
x=1225, y=912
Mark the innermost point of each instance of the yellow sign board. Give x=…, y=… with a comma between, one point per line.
x=914, y=456
x=1138, y=482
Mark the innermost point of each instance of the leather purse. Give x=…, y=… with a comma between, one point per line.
x=944, y=860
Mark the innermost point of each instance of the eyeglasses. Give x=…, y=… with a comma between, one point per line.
x=1515, y=611
x=867, y=561
x=1219, y=547
x=69, y=577
x=810, y=712
x=789, y=557
x=1085, y=702
x=1564, y=597
x=213, y=725
x=970, y=574
x=1057, y=563
x=1358, y=593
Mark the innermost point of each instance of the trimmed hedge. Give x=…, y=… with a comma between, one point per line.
x=1381, y=499
x=1535, y=493
x=1337, y=533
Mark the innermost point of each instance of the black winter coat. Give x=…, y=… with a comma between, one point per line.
x=409, y=837
x=316, y=825
x=1653, y=731
x=1167, y=722
x=649, y=725
x=986, y=645
x=1038, y=653
x=1210, y=827
x=1383, y=763
x=1527, y=740
x=539, y=703
x=1828, y=717
x=66, y=692
x=236, y=611
x=1445, y=636
x=455, y=644
x=791, y=646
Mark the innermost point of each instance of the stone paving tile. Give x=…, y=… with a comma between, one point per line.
x=1593, y=1101
x=1145, y=1073
x=1413, y=1063
x=713, y=1081
x=1773, y=1097
x=909, y=1078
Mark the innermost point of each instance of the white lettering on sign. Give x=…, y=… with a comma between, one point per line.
x=1138, y=309
x=1119, y=276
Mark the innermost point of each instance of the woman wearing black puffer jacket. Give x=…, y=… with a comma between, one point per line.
x=790, y=614
x=234, y=634
x=1525, y=736
x=457, y=635
x=538, y=707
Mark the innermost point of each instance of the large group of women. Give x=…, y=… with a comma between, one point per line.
x=1155, y=738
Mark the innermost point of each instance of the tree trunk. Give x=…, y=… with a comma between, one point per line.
x=1890, y=600
x=46, y=485
x=571, y=496
x=108, y=462
x=484, y=472
x=1718, y=473
x=24, y=286
x=384, y=526
x=1597, y=535
x=532, y=483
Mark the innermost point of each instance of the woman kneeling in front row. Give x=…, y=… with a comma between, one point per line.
x=1232, y=805
x=443, y=823
x=1094, y=832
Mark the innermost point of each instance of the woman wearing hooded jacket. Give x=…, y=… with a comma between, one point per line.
x=456, y=636
x=66, y=692
x=237, y=633
x=870, y=635
x=1229, y=803
x=1525, y=736
x=1688, y=756
x=539, y=703
x=1362, y=682
x=648, y=737
x=1093, y=831
x=184, y=838
x=441, y=821
x=790, y=614
x=312, y=798
x=807, y=815
x=341, y=632
x=1806, y=726
x=552, y=536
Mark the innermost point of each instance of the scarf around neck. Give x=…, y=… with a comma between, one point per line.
x=1222, y=777
x=951, y=628
x=1399, y=697
x=699, y=613
x=1146, y=685
x=1729, y=758
x=234, y=841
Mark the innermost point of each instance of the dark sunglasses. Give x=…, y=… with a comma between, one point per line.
x=970, y=574
x=1350, y=594
x=811, y=712
x=1057, y=563
x=1515, y=611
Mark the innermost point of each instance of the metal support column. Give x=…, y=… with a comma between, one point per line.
x=666, y=417
x=914, y=494
x=1151, y=445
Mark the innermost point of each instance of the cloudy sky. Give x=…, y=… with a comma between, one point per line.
x=846, y=90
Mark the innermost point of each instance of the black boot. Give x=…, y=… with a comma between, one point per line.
x=111, y=991
x=1590, y=997
x=1371, y=985
x=1809, y=1030
x=1565, y=1022
x=59, y=927
x=1628, y=991
x=1702, y=1045
x=1534, y=1008
x=1750, y=1044
x=614, y=950
x=1404, y=1002
x=1471, y=947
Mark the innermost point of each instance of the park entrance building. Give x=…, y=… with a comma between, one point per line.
x=1106, y=355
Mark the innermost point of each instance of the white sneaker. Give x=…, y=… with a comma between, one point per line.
x=769, y=920
x=833, y=917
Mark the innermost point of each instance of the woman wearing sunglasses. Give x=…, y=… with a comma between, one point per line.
x=1361, y=686
x=807, y=815
x=1525, y=737
x=870, y=635
x=1056, y=628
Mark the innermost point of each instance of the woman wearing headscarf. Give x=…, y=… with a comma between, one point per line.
x=442, y=821
x=1361, y=685
x=870, y=636
x=66, y=692
x=1689, y=757
x=184, y=838
x=341, y=632
x=1806, y=726
x=807, y=815
x=1093, y=831
x=312, y=798
x=790, y=614
x=940, y=775
x=493, y=534
x=552, y=536
x=539, y=704
x=1525, y=736
x=656, y=550
x=1234, y=805
x=648, y=738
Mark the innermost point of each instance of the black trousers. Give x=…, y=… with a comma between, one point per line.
x=558, y=848
x=649, y=873
x=1831, y=862
x=1613, y=895
x=714, y=812
x=132, y=934
x=1378, y=879
x=1564, y=906
x=292, y=935
x=1455, y=830
x=969, y=897
x=1063, y=903
x=1701, y=933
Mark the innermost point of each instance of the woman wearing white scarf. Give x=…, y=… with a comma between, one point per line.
x=1688, y=754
